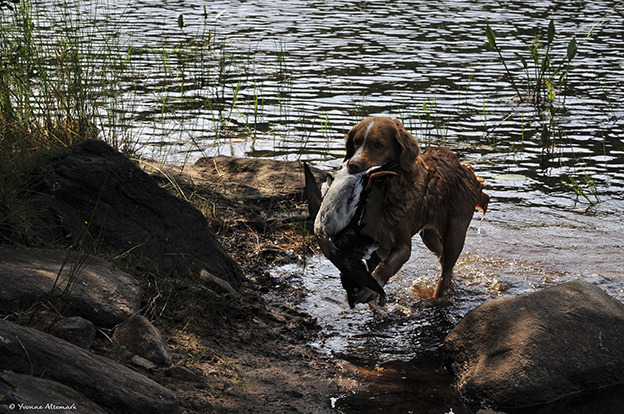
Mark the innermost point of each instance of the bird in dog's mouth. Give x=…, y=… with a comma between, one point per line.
x=338, y=224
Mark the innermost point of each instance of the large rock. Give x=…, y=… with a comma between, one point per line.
x=94, y=195
x=76, y=284
x=251, y=180
x=24, y=392
x=535, y=349
x=107, y=383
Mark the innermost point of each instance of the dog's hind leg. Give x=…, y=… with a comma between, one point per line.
x=431, y=238
x=452, y=245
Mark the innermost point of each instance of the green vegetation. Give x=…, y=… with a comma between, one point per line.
x=546, y=77
x=542, y=83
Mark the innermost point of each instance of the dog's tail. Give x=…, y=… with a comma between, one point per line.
x=312, y=192
x=483, y=198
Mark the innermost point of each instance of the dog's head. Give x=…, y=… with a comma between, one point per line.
x=378, y=141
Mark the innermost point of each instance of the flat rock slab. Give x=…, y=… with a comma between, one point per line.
x=75, y=283
x=30, y=394
x=113, y=386
x=533, y=350
x=251, y=179
x=91, y=194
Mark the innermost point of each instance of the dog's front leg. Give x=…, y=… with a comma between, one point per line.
x=392, y=263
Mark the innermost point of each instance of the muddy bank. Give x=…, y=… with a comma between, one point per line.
x=231, y=351
x=273, y=332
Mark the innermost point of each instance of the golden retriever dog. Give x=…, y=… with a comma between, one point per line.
x=433, y=195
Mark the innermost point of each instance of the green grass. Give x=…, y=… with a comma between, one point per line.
x=57, y=89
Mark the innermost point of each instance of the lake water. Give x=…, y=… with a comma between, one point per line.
x=303, y=72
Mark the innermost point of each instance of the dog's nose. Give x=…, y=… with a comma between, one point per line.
x=354, y=167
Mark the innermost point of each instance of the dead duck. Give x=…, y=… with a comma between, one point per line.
x=337, y=211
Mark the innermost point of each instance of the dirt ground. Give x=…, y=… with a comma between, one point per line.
x=244, y=353
x=240, y=352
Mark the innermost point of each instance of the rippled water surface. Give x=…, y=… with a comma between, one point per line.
x=301, y=73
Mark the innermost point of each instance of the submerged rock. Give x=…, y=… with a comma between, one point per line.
x=95, y=196
x=76, y=284
x=539, y=349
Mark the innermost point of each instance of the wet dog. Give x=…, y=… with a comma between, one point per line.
x=432, y=195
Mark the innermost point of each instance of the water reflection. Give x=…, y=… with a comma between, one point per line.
x=306, y=71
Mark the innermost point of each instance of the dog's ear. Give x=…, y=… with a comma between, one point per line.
x=407, y=146
x=350, y=146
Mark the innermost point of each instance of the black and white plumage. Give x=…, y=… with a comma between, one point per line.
x=338, y=225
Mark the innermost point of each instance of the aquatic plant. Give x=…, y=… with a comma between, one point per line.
x=546, y=77
x=541, y=82
x=586, y=188
x=56, y=88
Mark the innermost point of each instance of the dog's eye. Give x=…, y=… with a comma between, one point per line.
x=378, y=145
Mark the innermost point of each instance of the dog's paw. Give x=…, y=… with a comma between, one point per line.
x=366, y=295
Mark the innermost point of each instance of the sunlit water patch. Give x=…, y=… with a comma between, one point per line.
x=514, y=250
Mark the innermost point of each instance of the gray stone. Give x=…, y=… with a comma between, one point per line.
x=142, y=338
x=76, y=284
x=217, y=284
x=539, y=348
x=76, y=330
x=143, y=363
x=113, y=386
x=182, y=373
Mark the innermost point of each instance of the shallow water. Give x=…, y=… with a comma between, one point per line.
x=317, y=68
x=514, y=250
x=504, y=256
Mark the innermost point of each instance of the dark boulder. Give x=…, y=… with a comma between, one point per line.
x=75, y=284
x=539, y=350
x=95, y=196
